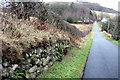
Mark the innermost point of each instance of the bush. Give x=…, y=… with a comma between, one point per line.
x=70, y=20
x=112, y=29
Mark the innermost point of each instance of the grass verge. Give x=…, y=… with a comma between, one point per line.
x=113, y=41
x=107, y=38
x=73, y=64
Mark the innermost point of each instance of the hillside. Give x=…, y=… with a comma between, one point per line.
x=80, y=11
x=105, y=14
x=98, y=7
x=71, y=12
x=33, y=38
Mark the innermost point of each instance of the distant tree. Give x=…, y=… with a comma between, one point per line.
x=23, y=10
x=73, y=10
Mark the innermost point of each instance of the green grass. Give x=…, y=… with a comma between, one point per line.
x=113, y=41
x=73, y=64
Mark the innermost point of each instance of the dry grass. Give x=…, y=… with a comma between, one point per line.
x=82, y=27
x=19, y=36
x=112, y=15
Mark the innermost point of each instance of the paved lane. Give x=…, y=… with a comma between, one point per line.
x=103, y=58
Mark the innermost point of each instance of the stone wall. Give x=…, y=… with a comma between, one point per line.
x=39, y=56
x=36, y=60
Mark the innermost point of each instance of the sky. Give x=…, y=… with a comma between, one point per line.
x=106, y=3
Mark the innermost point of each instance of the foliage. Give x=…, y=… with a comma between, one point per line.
x=72, y=65
x=112, y=27
x=72, y=10
x=59, y=8
x=19, y=74
x=70, y=20
x=106, y=28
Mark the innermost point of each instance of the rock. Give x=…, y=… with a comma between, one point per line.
x=11, y=72
x=39, y=51
x=35, y=51
x=45, y=68
x=29, y=60
x=54, y=59
x=56, y=45
x=33, y=69
x=1, y=67
x=40, y=69
x=5, y=72
x=27, y=55
x=37, y=61
x=30, y=54
x=33, y=75
x=5, y=64
x=14, y=66
x=44, y=61
x=37, y=55
x=60, y=35
x=48, y=58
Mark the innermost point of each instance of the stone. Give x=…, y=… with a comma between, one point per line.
x=27, y=55
x=45, y=51
x=14, y=66
x=44, y=61
x=30, y=54
x=33, y=75
x=37, y=55
x=5, y=72
x=11, y=72
x=45, y=68
x=48, y=58
x=28, y=60
x=40, y=69
x=39, y=50
x=5, y=64
x=35, y=51
x=33, y=69
x=1, y=67
x=56, y=45
x=37, y=61
x=54, y=59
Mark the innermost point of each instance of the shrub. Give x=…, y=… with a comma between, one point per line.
x=70, y=20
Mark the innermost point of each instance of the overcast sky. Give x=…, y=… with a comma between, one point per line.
x=106, y=3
